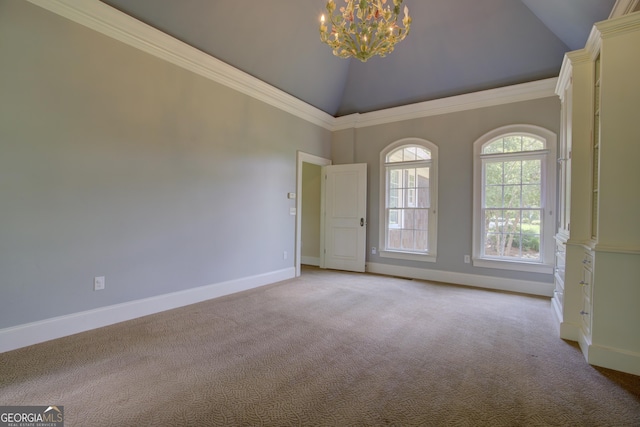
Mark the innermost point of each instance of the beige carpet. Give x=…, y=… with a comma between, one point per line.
x=329, y=348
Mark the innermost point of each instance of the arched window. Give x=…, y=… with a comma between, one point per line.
x=409, y=195
x=514, y=199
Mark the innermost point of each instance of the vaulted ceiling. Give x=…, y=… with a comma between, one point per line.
x=454, y=47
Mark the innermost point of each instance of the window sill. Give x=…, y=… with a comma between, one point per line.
x=513, y=265
x=409, y=256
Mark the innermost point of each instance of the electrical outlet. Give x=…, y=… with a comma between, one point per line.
x=285, y=255
x=373, y=250
x=467, y=259
x=98, y=283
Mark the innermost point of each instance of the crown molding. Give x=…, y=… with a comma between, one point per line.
x=487, y=98
x=623, y=7
x=611, y=28
x=111, y=22
x=566, y=72
x=619, y=26
x=571, y=59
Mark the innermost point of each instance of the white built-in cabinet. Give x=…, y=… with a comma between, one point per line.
x=597, y=276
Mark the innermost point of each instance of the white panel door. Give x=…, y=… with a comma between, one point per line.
x=345, y=228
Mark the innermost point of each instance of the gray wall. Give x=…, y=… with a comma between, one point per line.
x=115, y=163
x=454, y=134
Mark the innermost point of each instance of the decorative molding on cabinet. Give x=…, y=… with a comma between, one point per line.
x=570, y=59
x=611, y=28
x=623, y=7
x=618, y=26
x=616, y=249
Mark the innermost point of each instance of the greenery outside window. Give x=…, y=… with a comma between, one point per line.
x=514, y=199
x=408, y=187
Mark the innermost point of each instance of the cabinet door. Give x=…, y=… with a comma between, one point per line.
x=564, y=162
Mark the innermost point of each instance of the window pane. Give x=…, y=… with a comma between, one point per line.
x=408, y=222
x=512, y=194
x=394, y=238
x=532, y=217
x=494, y=220
x=409, y=154
x=407, y=239
x=530, y=225
x=410, y=174
x=394, y=156
x=512, y=144
x=394, y=218
x=493, y=196
x=422, y=153
x=513, y=246
x=411, y=198
x=512, y=222
x=513, y=172
x=394, y=178
x=395, y=198
x=493, y=147
x=421, y=219
x=423, y=177
x=531, y=171
x=531, y=144
x=531, y=196
x=493, y=173
x=531, y=246
x=493, y=242
x=424, y=200
x=421, y=241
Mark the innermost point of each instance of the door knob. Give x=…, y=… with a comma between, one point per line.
x=361, y=222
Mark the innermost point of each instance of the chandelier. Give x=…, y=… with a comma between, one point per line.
x=364, y=28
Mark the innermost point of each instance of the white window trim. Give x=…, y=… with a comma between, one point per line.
x=547, y=243
x=433, y=218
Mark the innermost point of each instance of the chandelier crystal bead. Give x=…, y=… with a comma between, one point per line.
x=364, y=28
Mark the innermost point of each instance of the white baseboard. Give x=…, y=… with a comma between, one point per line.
x=566, y=330
x=614, y=358
x=556, y=307
x=310, y=260
x=478, y=281
x=570, y=331
x=57, y=327
x=609, y=357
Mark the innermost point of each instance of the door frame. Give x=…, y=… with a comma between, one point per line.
x=302, y=157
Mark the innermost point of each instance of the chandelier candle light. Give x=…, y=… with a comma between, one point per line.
x=364, y=28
